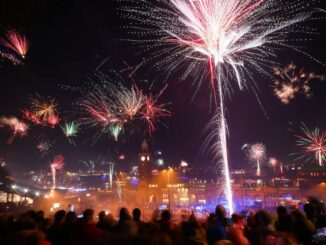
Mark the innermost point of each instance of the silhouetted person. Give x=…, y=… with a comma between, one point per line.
x=217, y=230
x=100, y=224
x=284, y=221
x=56, y=230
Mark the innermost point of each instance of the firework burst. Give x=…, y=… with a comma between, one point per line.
x=312, y=144
x=129, y=101
x=57, y=163
x=42, y=112
x=115, y=130
x=217, y=40
x=70, y=130
x=291, y=81
x=16, y=42
x=153, y=111
x=256, y=153
x=43, y=145
x=18, y=127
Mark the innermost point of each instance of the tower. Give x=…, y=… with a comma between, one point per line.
x=144, y=159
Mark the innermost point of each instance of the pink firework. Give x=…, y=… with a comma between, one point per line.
x=16, y=42
x=53, y=120
x=98, y=111
x=57, y=163
x=18, y=127
x=31, y=116
x=153, y=112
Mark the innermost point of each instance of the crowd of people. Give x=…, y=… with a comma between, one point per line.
x=286, y=227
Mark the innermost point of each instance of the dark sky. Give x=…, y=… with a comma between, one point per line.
x=68, y=41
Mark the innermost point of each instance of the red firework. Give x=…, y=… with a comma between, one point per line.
x=153, y=112
x=18, y=127
x=53, y=120
x=16, y=42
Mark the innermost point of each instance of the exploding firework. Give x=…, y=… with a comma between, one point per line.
x=70, y=130
x=53, y=120
x=42, y=112
x=256, y=153
x=312, y=144
x=129, y=101
x=16, y=42
x=18, y=127
x=98, y=110
x=57, y=163
x=43, y=145
x=111, y=105
x=153, y=112
x=115, y=130
x=216, y=40
x=43, y=109
x=291, y=81
x=90, y=164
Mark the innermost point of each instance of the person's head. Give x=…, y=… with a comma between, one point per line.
x=59, y=216
x=88, y=215
x=220, y=212
x=281, y=210
x=262, y=218
x=237, y=219
x=166, y=215
x=136, y=214
x=71, y=217
x=101, y=216
x=124, y=214
x=297, y=215
x=310, y=210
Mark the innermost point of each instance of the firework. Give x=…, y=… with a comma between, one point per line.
x=53, y=120
x=291, y=81
x=98, y=110
x=43, y=109
x=18, y=127
x=57, y=163
x=257, y=153
x=70, y=130
x=153, y=111
x=43, y=145
x=217, y=40
x=90, y=164
x=16, y=42
x=129, y=101
x=42, y=112
x=115, y=130
x=312, y=144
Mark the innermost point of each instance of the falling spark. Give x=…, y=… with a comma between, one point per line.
x=312, y=144
x=16, y=42
x=57, y=163
x=290, y=81
x=219, y=40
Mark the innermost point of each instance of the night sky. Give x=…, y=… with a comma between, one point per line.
x=69, y=39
